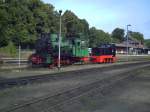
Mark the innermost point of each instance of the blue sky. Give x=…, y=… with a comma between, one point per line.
x=109, y=14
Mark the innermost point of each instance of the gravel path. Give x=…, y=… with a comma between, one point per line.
x=129, y=95
x=18, y=95
x=15, y=73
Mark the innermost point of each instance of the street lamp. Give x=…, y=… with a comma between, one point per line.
x=127, y=40
x=59, y=43
x=19, y=56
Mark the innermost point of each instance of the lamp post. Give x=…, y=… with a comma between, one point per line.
x=59, y=43
x=19, y=56
x=127, y=40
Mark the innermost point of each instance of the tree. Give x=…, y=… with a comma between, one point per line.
x=73, y=25
x=97, y=37
x=3, y=32
x=22, y=21
x=83, y=27
x=137, y=35
x=118, y=34
x=3, y=26
x=147, y=43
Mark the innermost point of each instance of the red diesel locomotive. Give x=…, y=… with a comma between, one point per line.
x=105, y=53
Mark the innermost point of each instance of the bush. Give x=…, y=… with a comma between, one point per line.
x=9, y=50
x=1, y=62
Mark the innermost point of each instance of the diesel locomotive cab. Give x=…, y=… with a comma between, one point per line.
x=105, y=53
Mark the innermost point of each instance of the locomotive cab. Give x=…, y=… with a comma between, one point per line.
x=105, y=53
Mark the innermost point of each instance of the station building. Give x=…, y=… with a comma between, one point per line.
x=135, y=47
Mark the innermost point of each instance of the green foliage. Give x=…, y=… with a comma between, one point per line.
x=147, y=43
x=3, y=26
x=96, y=37
x=9, y=50
x=73, y=25
x=22, y=22
x=137, y=35
x=118, y=35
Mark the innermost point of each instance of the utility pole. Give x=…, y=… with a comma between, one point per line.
x=59, y=43
x=127, y=40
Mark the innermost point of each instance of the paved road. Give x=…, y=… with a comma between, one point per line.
x=20, y=95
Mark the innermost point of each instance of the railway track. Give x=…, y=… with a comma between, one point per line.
x=13, y=63
x=51, y=103
x=12, y=82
